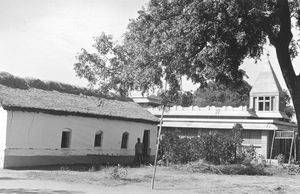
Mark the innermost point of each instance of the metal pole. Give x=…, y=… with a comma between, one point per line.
x=157, y=146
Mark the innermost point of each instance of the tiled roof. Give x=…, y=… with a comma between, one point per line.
x=54, y=102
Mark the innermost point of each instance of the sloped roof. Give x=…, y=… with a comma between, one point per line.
x=54, y=102
x=266, y=82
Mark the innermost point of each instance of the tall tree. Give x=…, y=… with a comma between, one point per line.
x=209, y=39
x=205, y=40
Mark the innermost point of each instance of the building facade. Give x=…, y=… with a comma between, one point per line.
x=260, y=120
x=41, y=128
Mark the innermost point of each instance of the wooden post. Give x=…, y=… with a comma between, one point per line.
x=157, y=146
x=272, y=146
x=295, y=145
x=291, y=149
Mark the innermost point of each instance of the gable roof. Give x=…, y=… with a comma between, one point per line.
x=53, y=102
x=266, y=82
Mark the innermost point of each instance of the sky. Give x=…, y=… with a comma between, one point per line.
x=41, y=38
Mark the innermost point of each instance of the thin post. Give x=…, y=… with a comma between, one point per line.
x=291, y=149
x=295, y=145
x=271, y=152
x=157, y=145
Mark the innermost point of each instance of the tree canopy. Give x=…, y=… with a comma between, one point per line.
x=204, y=40
x=218, y=94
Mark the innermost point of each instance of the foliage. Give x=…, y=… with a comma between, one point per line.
x=285, y=104
x=213, y=147
x=218, y=94
x=280, y=159
x=202, y=40
x=202, y=166
x=185, y=99
x=11, y=81
x=119, y=172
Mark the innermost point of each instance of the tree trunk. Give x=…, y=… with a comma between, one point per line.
x=292, y=81
x=281, y=42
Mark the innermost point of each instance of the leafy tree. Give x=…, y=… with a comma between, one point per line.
x=285, y=103
x=205, y=40
x=218, y=94
x=208, y=40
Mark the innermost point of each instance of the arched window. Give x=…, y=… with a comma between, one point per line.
x=98, y=139
x=124, y=140
x=66, y=138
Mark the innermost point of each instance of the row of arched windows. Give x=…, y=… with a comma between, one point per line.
x=66, y=139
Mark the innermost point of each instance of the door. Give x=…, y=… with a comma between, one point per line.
x=146, y=143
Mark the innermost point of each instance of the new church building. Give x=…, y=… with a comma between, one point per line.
x=263, y=118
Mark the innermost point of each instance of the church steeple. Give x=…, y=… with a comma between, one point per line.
x=266, y=94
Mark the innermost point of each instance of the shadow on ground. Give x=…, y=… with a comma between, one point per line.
x=35, y=191
x=9, y=178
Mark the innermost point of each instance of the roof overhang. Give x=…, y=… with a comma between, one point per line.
x=81, y=114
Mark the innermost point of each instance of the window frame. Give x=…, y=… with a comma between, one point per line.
x=265, y=103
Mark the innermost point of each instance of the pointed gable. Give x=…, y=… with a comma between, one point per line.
x=266, y=82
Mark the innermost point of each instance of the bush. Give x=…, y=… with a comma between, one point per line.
x=217, y=148
x=231, y=169
x=9, y=80
x=119, y=172
x=280, y=158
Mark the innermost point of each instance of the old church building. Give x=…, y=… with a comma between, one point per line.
x=40, y=127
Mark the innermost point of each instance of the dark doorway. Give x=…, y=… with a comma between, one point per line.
x=146, y=143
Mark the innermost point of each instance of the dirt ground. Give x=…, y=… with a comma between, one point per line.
x=138, y=180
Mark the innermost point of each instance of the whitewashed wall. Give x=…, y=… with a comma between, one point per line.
x=3, y=119
x=40, y=134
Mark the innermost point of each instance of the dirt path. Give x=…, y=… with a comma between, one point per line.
x=138, y=181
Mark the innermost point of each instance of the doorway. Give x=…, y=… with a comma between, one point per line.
x=146, y=143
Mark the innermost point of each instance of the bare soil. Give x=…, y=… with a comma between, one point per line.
x=138, y=180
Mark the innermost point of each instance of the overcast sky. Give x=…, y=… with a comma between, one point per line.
x=40, y=38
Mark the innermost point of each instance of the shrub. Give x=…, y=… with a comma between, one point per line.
x=9, y=80
x=231, y=169
x=280, y=158
x=214, y=147
x=119, y=172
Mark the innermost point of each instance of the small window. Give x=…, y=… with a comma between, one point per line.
x=266, y=103
x=66, y=138
x=98, y=139
x=124, y=140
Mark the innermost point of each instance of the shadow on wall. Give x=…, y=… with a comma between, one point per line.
x=34, y=191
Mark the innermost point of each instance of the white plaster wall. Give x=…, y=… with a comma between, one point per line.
x=3, y=119
x=40, y=134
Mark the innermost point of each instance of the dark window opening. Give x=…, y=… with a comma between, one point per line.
x=66, y=139
x=98, y=139
x=124, y=140
x=260, y=106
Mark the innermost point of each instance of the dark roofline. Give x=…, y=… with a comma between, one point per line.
x=72, y=113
